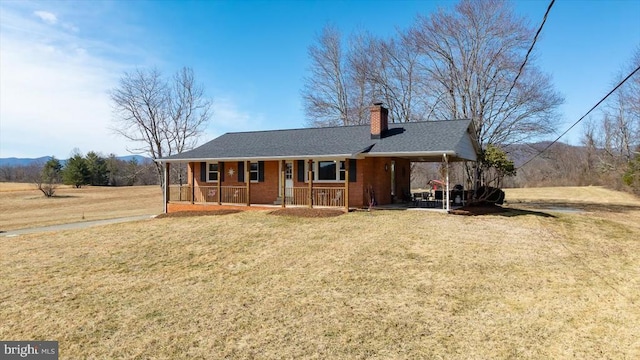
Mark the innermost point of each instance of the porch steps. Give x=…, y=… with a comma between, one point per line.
x=278, y=201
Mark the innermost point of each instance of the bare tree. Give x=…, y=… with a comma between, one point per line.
x=361, y=71
x=613, y=140
x=189, y=111
x=163, y=117
x=453, y=64
x=325, y=90
x=345, y=82
x=49, y=177
x=397, y=74
x=472, y=56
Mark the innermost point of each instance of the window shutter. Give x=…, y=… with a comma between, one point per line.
x=203, y=171
x=261, y=171
x=353, y=175
x=300, y=170
x=240, y=171
x=221, y=171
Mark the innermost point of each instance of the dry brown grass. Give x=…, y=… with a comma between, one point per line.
x=385, y=284
x=23, y=206
x=572, y=194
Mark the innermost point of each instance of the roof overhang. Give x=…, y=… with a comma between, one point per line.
x=417, y=156
x=266, y=158
x=423, y=156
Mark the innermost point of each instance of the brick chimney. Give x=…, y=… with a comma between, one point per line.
x=379, y=120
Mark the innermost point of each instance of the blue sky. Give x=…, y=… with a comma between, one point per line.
x=58, y=60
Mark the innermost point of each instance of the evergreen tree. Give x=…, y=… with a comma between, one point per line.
x=97, y=166
x=76, y=172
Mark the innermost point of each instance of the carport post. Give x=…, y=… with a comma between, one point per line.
x=446, y=164
x=166, y=187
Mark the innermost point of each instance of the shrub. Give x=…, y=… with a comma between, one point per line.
x=490, y=195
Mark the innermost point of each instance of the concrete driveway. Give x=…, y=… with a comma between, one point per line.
x=73, y=226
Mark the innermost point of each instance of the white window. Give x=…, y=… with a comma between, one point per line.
x=253, y=171
x=212, y=172
x=331, y=170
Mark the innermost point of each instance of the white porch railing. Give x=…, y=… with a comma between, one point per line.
x=328, y=196
x=299, y=196
x=208, y=194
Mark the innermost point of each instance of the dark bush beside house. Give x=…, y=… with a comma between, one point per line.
x=490, y=195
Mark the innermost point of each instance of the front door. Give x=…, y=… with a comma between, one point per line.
x=288, y=180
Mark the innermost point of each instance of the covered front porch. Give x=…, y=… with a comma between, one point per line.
x=257, y=184
x=358, y=183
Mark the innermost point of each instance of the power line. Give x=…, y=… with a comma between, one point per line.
x=526, y=58
x=583, y=116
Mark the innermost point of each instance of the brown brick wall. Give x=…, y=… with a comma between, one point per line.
x=372, y=170
x=266, y=192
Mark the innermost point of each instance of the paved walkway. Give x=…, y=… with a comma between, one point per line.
x=73, y=226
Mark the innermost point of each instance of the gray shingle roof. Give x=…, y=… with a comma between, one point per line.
x=414, y=139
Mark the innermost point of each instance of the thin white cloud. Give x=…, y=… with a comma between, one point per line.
x=53, y=89
x=70, y=27
x=53, y=101
x=55, y=82
x=228, y=117
x=49, y=18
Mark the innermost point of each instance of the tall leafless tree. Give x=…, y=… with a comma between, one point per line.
x=361, y=71
x=458, y=63
x=398, y=75
x=325, y=90
x=164, y=117
x=189, y=111
x=345, y=80
x=472, y=55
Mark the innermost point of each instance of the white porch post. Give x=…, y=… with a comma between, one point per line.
x=283, y=182
x=165, y=192
x=193, y=181
x=247, y=178
x=310, y=176
x=446, y=164
x=346, y=184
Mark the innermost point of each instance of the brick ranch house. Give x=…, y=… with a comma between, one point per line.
x=345, y=167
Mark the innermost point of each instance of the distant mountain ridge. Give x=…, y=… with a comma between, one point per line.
x=12, y=161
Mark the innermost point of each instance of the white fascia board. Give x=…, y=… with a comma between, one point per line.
x=418, y=154
x=412, y=153
x=266, y=158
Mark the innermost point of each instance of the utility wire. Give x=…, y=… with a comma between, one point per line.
x=526, y=58
x=583, y=116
